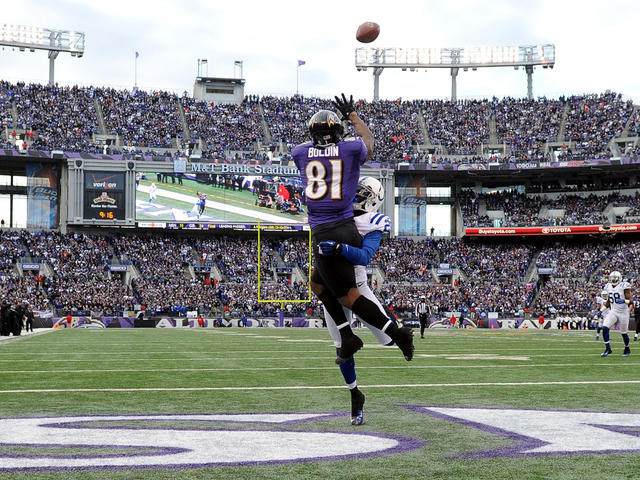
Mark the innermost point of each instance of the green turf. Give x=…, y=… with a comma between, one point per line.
x=123, y=358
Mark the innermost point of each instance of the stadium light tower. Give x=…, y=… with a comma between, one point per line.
x=36, y=38
x=412, y=59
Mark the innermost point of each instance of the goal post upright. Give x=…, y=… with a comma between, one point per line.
x=283, y=301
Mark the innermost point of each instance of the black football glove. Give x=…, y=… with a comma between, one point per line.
x=344, y=106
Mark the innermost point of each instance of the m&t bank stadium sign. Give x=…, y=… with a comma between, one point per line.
x=181, y=166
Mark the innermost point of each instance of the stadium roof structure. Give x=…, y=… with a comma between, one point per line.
x=25, y=37
x=412, y=59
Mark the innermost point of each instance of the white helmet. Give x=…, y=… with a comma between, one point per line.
x=369, y=195
x=615, y=278
x=604, y=294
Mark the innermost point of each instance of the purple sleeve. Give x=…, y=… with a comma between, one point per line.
x=296, y=156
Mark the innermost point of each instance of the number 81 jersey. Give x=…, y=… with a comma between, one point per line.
x=330, y=178
x=616, y=296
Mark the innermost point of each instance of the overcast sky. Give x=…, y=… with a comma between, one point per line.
x=596, y=44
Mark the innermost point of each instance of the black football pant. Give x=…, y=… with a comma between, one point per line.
x=423, y=323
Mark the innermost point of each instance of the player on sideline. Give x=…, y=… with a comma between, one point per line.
x=601, y=311
x=152, y=192
x=620, y=304
x=330, y=168
x=371, y=225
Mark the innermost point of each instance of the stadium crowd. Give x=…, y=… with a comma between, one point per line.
x=594, y=120
x=144, y=119
x=67, y=117
x=217, y=275
x=526, y=125
x=64, y=118
x=223, y=127
x=461, y=127
x=515, y=209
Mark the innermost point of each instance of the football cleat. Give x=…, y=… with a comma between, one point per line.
x=357, y=403
x=627, y=352
x=635, y=337
x=597, y=337
x=348, y=348
x=608, y=351
x=404, y=340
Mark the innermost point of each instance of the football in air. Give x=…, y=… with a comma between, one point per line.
x=368, y=32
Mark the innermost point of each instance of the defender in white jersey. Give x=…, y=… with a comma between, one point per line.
x=601, y=311
x=371, y=225
x=620, y=303
x=153, y=189
x=367, y=223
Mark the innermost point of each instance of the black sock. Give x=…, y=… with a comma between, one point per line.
x=334, y=307
x=369, y=311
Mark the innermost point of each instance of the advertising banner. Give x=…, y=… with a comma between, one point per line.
x=563, y=230
x=104, y=195
x=42, y=195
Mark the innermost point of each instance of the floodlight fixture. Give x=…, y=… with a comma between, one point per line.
x=466, y=58
x=35, y=38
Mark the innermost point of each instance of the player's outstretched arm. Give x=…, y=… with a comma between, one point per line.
x=355, y=255
x=348, y=112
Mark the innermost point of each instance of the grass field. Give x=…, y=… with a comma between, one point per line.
x=236, y=371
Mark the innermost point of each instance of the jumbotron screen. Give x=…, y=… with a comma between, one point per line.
x=190, y=200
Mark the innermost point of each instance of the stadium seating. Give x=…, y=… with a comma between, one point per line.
x=515, y=209
x=489, y=277
x=67, y=118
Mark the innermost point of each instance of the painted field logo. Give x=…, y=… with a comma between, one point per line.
x=177, y=441
x=543, y=432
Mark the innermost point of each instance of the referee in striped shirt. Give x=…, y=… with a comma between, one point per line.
x=423, y=311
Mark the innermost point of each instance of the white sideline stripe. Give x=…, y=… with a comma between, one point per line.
x=8, y=340
x=322, y=387
x=220, y=206
x=376, y=367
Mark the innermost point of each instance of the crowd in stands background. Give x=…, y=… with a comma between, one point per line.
x=493, y=277
x=66, y=118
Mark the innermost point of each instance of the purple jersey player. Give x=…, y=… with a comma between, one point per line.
x=330, y=176
x=330, y=169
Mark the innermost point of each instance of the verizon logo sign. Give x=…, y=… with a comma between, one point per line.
x=105, y=185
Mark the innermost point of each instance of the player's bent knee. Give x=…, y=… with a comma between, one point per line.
x=349, y=299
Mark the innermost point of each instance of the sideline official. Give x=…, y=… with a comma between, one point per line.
x=423, y=312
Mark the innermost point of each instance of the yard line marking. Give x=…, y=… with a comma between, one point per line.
x=320, y=387
x=373, y=367
x=329, y=344
x=12, y=340
x=69, y=357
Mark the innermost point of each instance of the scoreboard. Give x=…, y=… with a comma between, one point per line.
x=113, y=191
x=99, y=191
x=104, y=195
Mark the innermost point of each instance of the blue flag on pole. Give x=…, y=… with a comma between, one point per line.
x=137, y=54
x=301, y=62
